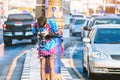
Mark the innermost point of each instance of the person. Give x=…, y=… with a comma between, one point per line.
x=47, y=31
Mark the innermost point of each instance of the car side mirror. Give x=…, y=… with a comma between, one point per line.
x=86, y=28
x=86, y=40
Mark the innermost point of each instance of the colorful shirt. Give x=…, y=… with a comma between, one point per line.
x=50, y=47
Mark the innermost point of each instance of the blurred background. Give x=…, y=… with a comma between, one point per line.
x=69, y=6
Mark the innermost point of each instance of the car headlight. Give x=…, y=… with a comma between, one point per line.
x=99, y=55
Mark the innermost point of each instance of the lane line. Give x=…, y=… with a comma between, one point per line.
x=72, y=63
x=13, y=65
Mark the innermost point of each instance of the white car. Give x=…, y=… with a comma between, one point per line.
x=77, y=25
x=74, y=16
x=101, y=50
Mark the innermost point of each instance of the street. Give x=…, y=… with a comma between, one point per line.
x=72, y=61
x=9, y=54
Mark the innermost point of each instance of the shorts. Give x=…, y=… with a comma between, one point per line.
x=47, y=57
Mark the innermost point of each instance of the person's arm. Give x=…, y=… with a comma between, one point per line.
x=53, y=34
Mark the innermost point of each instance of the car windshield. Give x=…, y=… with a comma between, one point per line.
x=77, y=22
x=110, y=35
x=107, y=21
x=20, y=17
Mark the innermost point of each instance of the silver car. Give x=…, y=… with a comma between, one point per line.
x=77, y=25
x=101, y=50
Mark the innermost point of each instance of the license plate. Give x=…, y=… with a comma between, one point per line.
x=18, y=24
x=18, y=33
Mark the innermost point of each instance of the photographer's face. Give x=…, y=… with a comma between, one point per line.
x=41, y=21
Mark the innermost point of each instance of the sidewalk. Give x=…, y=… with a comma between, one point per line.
x=31, y=69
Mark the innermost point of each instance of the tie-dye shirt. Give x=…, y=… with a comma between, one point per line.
x=50, y=47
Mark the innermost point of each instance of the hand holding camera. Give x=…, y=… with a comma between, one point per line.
x=42, y=36
x=45, y=32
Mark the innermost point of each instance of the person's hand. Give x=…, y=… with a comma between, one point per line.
x=38, y=35
x=45, y=32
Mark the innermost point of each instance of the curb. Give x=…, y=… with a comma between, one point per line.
x=1, y=49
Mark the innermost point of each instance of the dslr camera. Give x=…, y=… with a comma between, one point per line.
x=41, y=38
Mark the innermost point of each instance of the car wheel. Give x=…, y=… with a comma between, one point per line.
x=84, y=69
x=90, y=75
x=7, y=41
x=73, y=34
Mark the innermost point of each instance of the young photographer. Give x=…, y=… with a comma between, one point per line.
x=47, y=31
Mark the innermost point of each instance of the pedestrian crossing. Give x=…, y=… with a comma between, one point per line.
x=67, y=71
x=31, y=69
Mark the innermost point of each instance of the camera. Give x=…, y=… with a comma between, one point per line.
x=42, y=39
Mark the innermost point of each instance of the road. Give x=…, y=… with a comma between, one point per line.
x=9, y=54
x=71, y=52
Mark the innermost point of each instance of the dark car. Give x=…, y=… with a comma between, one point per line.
x=18, y=26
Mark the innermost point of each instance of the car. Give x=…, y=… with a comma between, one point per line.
x=105, y=19
x=95, y=15
x=83, y=30
x=101, y=53
x=78, y=15
x=73, y=16
x=18, y=26
x=77, y=25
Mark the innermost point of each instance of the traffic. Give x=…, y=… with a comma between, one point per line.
x=100, y=45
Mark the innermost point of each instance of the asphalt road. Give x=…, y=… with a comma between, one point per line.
x=9, y=54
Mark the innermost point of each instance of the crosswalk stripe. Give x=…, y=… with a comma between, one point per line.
x=65, y=72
